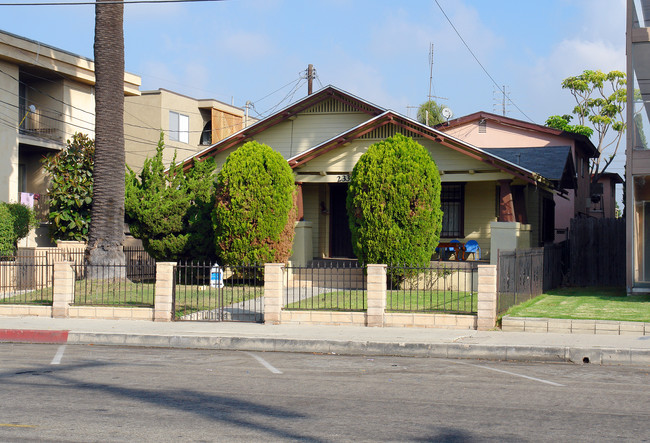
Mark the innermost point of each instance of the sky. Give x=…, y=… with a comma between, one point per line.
x=257, y=50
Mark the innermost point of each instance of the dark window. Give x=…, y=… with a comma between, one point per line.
x=482, y=126
x=548, y=221
x=452, y=198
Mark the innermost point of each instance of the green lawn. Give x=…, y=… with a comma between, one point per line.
x=195, y=298
x=95, y=293
x=397, y=301
x=586, y=304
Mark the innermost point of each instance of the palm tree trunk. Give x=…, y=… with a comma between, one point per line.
x=106, y=233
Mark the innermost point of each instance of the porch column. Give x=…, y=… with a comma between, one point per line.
x=301, y=207
x=506, y=205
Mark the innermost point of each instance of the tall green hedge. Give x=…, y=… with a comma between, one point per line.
x=255, y=207
x=393, y=203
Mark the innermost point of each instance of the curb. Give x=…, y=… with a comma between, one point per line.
x=32, y=336
x=524, y=353
x=579, y=355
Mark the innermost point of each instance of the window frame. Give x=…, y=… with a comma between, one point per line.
x=179, y=127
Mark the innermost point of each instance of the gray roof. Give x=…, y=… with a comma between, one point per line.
x=548, y=161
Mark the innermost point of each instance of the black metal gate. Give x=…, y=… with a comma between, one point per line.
x=208, y=292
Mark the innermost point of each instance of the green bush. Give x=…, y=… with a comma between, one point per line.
x=16, y=220
x=255, y=207
x=170, y=210
x=24, y=219
x=6, y=232
x=393, y=203
x=71, y=188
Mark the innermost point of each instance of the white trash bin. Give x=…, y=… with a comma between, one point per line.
x=216, y=276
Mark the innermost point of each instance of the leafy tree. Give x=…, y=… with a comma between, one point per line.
x=600, y=104
x=393, y=203
x=106, y=233
x=71, y=189
x=170, y=211
x=435, y=113
x=255, y=207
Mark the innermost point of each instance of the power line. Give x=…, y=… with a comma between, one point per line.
x=112, y=2
x=479, y=63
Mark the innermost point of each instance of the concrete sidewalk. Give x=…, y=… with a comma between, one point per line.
x=347, y=340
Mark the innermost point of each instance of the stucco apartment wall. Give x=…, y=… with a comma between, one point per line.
x=142, y=125
x=9, y=134
x=79, y=110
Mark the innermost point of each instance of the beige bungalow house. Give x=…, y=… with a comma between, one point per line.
x=544, y=150
x=323, y=135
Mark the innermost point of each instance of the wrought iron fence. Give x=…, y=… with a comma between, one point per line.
x=114, y=285
x=26, y=279
x=206, y=292
x=449, y=287
x=139, y=262
x=326, y=285
x=520, y=277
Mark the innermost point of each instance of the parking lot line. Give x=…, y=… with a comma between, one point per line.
x=509, y=373
x=265, y=363
x=59, y=355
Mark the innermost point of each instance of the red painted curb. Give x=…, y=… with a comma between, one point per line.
x=33, y=336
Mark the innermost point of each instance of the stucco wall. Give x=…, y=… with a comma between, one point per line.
x=9, y=134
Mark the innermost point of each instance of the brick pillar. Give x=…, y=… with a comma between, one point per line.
x=487, y=297
x=63, y=289
x=163, y=299
x=273, y=290
x=376, y=295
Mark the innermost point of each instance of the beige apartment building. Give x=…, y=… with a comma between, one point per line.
x=46, y=95
x=189, y=125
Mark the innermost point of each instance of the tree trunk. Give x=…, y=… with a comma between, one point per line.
x=106, y=233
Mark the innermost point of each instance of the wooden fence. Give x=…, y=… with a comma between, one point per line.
x=597, y=252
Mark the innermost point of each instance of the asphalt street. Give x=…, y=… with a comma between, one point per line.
x=77, y=393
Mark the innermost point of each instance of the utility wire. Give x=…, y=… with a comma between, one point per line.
x=112, y=2
x=480, y=64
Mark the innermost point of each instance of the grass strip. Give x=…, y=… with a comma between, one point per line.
x=586, y=304
x=396, y=301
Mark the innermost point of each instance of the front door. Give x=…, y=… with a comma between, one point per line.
x=340, y=237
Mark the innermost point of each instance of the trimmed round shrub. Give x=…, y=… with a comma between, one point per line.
x=255, y=208
x=393, y=204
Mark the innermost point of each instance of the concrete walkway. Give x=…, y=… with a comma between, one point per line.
x=348, y=340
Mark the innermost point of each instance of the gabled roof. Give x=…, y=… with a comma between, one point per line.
x=413, y=126
x=583, y=141
x=553, y=162
x=285, y=114
x=377, y=117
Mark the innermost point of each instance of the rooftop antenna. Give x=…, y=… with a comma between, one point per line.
x=430, y=96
